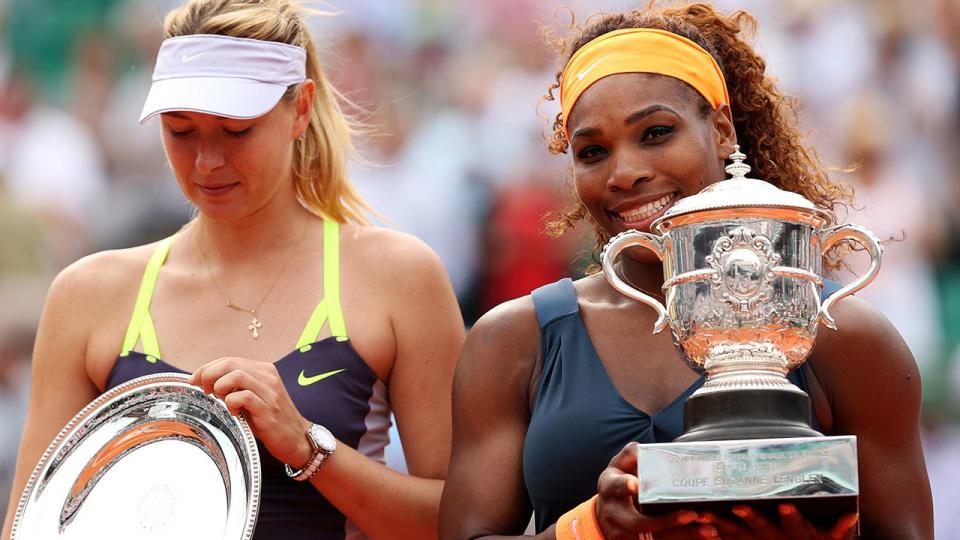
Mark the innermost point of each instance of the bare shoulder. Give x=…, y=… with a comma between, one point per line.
x=865, y=341
x=405, y=289
x=388, y=249
x=88, y=307
x=864, y=367
x=82, y=306
x=593, y=290
x=514, y=324
x=510, y=327
x=502, y=351
x=396, y=265
x=98, y=280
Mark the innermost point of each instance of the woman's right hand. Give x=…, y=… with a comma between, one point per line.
x=619, y=517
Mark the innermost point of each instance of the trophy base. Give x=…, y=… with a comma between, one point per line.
x=816, y=474
x=747, y=414
x=822, y=512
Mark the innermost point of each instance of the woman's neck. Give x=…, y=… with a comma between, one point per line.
x=253, y=236
x=646, y=277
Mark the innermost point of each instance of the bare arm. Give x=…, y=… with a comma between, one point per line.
x=873, y=387
x=485, y=492
x=485, y=495
x=59, y=385
x=429, y=333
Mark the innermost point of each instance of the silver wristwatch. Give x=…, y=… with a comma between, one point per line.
x=323, y=444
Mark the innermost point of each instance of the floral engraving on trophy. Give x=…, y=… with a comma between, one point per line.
x=742, y=272
x=743, y=263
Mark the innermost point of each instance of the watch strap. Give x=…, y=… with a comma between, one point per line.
x=308, y=470
x=313, y=465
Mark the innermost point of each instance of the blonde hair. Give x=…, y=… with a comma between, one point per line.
x=321, y=154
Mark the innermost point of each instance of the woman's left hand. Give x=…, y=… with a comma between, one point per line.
x=254, y=389
x=792, y=526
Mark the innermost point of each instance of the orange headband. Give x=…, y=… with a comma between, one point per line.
x=641, y=50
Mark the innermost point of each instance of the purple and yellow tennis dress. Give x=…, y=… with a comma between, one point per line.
x=328, y=381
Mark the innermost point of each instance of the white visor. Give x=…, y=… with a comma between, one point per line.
x=222, y=75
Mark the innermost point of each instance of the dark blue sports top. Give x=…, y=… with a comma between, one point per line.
x=579, y=419
x=349, y=400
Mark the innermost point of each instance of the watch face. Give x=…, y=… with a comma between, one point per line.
x=323, y=438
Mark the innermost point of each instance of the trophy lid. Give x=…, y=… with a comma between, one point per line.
x=741, y=192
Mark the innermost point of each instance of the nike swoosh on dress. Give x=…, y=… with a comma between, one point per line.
x=303, y=380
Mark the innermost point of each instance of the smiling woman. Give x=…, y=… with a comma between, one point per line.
x=248, y=296
x=677, y=148
x=554, y=391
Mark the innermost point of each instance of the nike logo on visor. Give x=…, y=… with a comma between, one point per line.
x=186, y=58
x=303, y=380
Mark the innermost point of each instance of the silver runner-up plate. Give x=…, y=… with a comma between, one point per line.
x=154, y=458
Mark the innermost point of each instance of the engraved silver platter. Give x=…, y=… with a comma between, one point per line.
x=154, y=458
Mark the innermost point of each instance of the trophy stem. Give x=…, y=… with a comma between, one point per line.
x=747, y=366
x=746, y=396
x=747, y=414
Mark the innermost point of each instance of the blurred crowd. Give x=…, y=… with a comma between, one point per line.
x=448, y=93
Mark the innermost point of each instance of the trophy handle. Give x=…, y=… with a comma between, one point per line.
x=868, y=240
x=617, y=244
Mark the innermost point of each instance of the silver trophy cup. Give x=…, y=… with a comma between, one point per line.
x=742, y=263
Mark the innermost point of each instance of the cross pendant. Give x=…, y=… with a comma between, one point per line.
x=255, y=326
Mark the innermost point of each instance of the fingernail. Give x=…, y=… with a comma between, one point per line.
x=851, y=520
x=632, y=486
x=686, y=516
x=787, y=510
x=741, y=511
x=708, y=531
x=704, y=519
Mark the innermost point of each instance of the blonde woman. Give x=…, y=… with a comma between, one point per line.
x=278, y=298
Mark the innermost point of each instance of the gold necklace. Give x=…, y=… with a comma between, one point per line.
x=255, y=323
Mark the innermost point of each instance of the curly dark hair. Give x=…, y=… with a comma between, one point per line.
x=765, y=119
